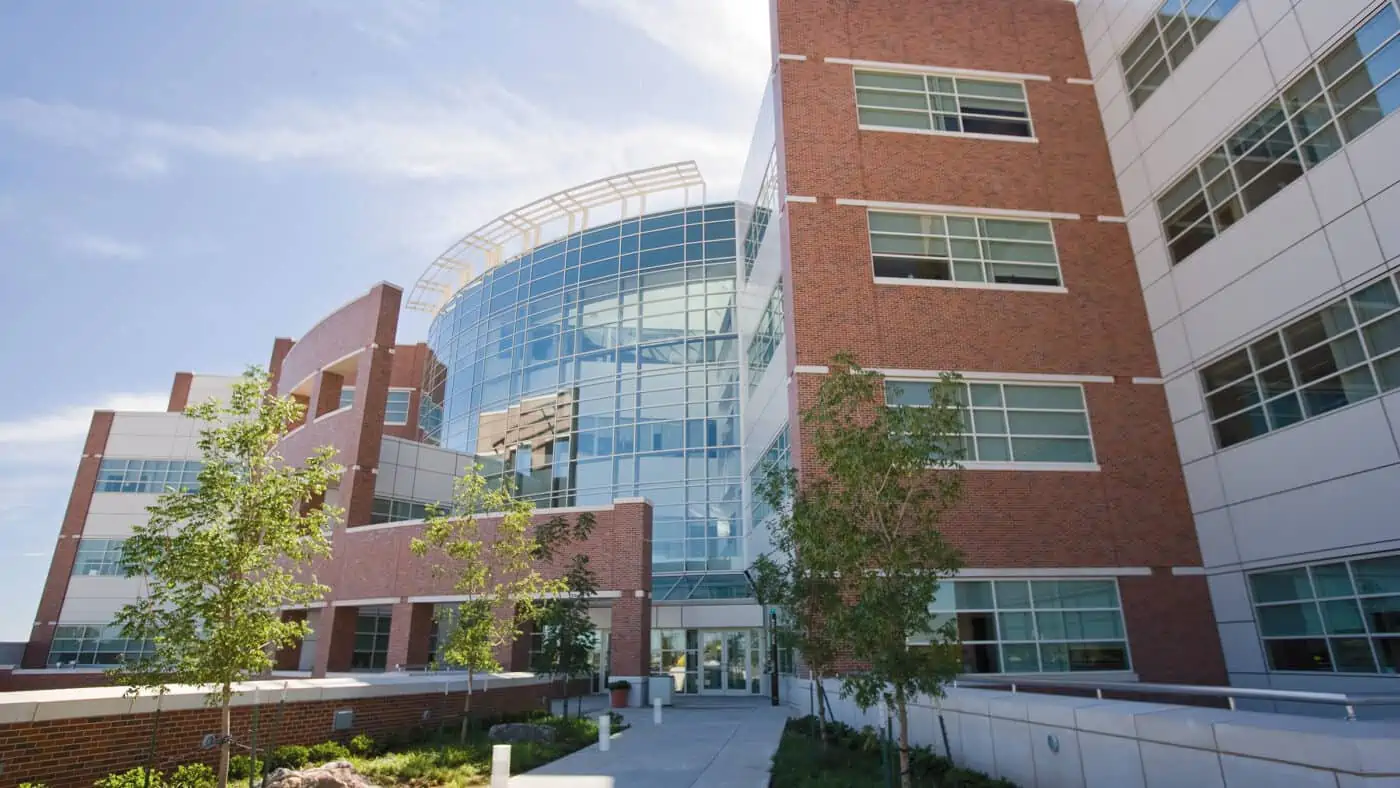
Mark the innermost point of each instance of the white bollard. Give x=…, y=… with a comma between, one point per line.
x=500, y=766
x=656, y=711
x=604, y=732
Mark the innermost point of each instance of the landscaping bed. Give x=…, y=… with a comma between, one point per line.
x=852, y=759
x=414, y=759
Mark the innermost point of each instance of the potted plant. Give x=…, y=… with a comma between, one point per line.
x=619, y=690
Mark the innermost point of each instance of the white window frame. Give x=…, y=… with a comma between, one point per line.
x=984, y=285
x=1014, y=465
x=408, y=406
x=110, y=562
x=955, y=76
x=1154, y=25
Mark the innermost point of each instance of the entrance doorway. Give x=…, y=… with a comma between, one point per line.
x=726, y=662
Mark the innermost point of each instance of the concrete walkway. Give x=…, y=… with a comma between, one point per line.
x=701, y=743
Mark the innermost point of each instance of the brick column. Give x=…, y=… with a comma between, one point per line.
x=325, y=393
x=631, y=638
x=409, y=629
x=290, y=658
x=1171, y=628
x=36, y=652
x=630, y=542
x=335, y=641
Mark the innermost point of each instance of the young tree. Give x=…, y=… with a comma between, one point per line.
x=804, y=584
x=496, y=568
x=569, y=635
x=885, y=478
x=222, y=560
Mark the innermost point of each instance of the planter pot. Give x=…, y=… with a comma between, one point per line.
x=619, y=698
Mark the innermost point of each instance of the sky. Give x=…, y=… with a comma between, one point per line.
x=182, y=182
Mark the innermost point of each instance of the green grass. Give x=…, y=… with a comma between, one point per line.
x=851, y=759
x=452, y=765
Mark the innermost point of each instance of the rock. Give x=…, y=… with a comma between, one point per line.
x=521, y=731
x=336, y=774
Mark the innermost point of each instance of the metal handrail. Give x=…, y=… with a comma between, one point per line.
x=1231, y=694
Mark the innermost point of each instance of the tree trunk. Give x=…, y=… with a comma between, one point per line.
x=225, y=730
x=466, y=710
x=906, y=780
x=821, y=709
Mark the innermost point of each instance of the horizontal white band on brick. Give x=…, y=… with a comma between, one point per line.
x=448, y=598
x=1188, y=571
x=940, y=133
x=799, y=198
x=1037, y=467
x=1079, y=81
x=376, y=600
x=782, y=56
x=637, y=499
x=811, y=369
x=956, y=209
x=311, y=606
x=1113, y=219
x=906, y=282
x=1067, y=571
x=607, y=507
x=1003, y=377
x=1149, y=381
x=956, y=72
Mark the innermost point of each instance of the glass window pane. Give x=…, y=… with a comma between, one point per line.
x=993, y=422
x=1013, y=595
x=993, y=450
x=1227, y=370
x=1353, y=655
x=1048, y=397
x=1016, y=626
x=1332, y=580
x=1309, y=654
x=1341, y=617
x=1281, y=586
x=1377, y=575
x=1020, y=658
x=1074, y=593
x=1383, y=335
x=878, y=79
x=1291, y=619
x=1382, y=614
x=904, y=120
x=1051, y=450
x=973, y=594
x=1042, y=423
x=984, y=395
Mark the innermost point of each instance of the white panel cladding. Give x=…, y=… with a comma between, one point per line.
x=1193, y=440
x=1323, y=20
x=1355, y=249
x=1348, y=441
x=418, y=472
x=1268, y=13
x=1184, y=395
x=1230, y=598
x=1103, y=58
x=1172, y=351
x=1208, y=120
x=1334, y=186
x=1240, y=642
x=205, y=387
x=152, y=436
x=429, y=486
x=1373, y=156
x=1286, y=49
x=1160, y=298
x=1117, y=114
x=120, y=504
x=1294, y=278
x=1153, y=262
x=1123, y=148
x=1135, y=192
x=1383, y=210
x=384, y=479
x=1277, y=225
x=1144, y=227
x=97, y=608
x=1217, y=537
x=1351, y=510
x=1391, y=403
x=1203, y=485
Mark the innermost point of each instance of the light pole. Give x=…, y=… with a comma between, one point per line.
x=771, y=631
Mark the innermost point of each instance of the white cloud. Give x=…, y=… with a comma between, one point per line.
x=726, y=38
x=142, y=164
x=93, y=245
x=393, y=23
x=69, y=424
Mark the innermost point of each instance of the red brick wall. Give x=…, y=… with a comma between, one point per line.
x=69, y=753
x=1134, y=511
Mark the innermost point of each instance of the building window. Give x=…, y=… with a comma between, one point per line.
x=963, y=249
x=1036, y=626
x=1343, y=353
x=1174, y=32
x=766, y=336
x=392, y=510
x=94, y=645
x=777, y=455
x=99, y=557
x=1341, y=617
x=957, y=105
x=1013, y=423
x=371, y=638
x=396, y=407
x=765, y=204
x=347, y=396
x=148, y=476
x=1342, y=95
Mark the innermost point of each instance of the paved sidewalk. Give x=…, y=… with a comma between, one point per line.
x=703, y=743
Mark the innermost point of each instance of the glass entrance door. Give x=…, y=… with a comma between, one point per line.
x=724, y=662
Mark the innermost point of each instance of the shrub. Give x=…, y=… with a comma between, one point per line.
x=362, y=745
x=291, y=756
x=327, y=751
x=241, y=766
x=135, y=778
x=192, y=775
x=33, y=785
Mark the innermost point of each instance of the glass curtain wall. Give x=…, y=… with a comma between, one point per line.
x=605, y=365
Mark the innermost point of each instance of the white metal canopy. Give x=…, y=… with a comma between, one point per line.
x=562, y=213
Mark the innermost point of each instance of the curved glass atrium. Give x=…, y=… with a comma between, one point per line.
x=604, y=365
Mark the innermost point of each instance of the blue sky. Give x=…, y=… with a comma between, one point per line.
x=182, y=182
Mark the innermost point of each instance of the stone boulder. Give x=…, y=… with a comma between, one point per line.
x=336, y=774
x=521, y=731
